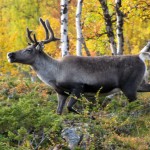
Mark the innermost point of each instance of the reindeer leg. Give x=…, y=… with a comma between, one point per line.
x=61, y=103
x=70, y=105
x=130, y=92
x=76, y=93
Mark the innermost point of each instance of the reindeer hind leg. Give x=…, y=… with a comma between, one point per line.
x=76, y=93
x=130, y=92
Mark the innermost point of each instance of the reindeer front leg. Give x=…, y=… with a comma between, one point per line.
x=61, y=103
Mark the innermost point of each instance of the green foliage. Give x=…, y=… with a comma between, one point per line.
x=29, y=120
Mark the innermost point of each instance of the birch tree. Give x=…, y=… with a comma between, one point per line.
x=146, y=48
x=78, y=28
x=119, y=31
x=80, y=38
x=109, y=27
x=64, y=27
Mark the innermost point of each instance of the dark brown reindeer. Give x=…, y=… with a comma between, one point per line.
x=76, y=75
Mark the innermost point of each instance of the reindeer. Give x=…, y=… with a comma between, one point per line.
x=76, y=75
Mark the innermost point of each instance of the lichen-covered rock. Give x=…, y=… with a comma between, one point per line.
x=73, y=136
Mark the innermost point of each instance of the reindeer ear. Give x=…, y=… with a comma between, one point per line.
x=40, y=46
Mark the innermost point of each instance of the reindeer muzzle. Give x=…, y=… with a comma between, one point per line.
x=11, y=57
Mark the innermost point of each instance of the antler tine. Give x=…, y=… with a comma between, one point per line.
x=29, y=35
x=35, y=40
x=52, y=37
x=50, y=29
x=45, y=28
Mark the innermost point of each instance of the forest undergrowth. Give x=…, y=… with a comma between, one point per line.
x=29, y=121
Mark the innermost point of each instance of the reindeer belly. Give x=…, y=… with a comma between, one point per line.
x=100, y=88
x=103, y=84
x=88, y=83
x=85, y=88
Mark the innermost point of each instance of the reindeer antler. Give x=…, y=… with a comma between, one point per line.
x=29, y=35
x=45, y=28
x=48, y=30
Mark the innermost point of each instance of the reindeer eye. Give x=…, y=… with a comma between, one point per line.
x=29, y=50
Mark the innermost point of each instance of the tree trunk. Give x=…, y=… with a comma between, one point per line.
x=146, y=77
x=78, y=28
x=64, y=27
x=120, y=38
x=80, y=38
x=86, y=49
x=109, y=28
x=146, y=48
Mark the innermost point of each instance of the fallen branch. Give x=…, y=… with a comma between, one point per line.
x=144, y=87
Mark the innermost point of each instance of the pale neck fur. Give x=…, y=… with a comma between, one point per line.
x=46, y=68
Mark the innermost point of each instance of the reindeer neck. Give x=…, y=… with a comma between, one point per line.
x=46, y=68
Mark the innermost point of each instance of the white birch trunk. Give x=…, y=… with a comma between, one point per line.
x=119, y=31
x=146, y=48
x=78, y=28
x=80, y=38
x=64, y=28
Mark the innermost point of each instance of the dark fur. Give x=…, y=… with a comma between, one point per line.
x=107, y=73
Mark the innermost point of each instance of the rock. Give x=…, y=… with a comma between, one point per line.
x=73, y=136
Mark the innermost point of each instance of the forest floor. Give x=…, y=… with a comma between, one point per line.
x=28, y=119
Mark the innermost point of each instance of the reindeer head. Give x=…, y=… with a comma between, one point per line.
x=35, y=48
